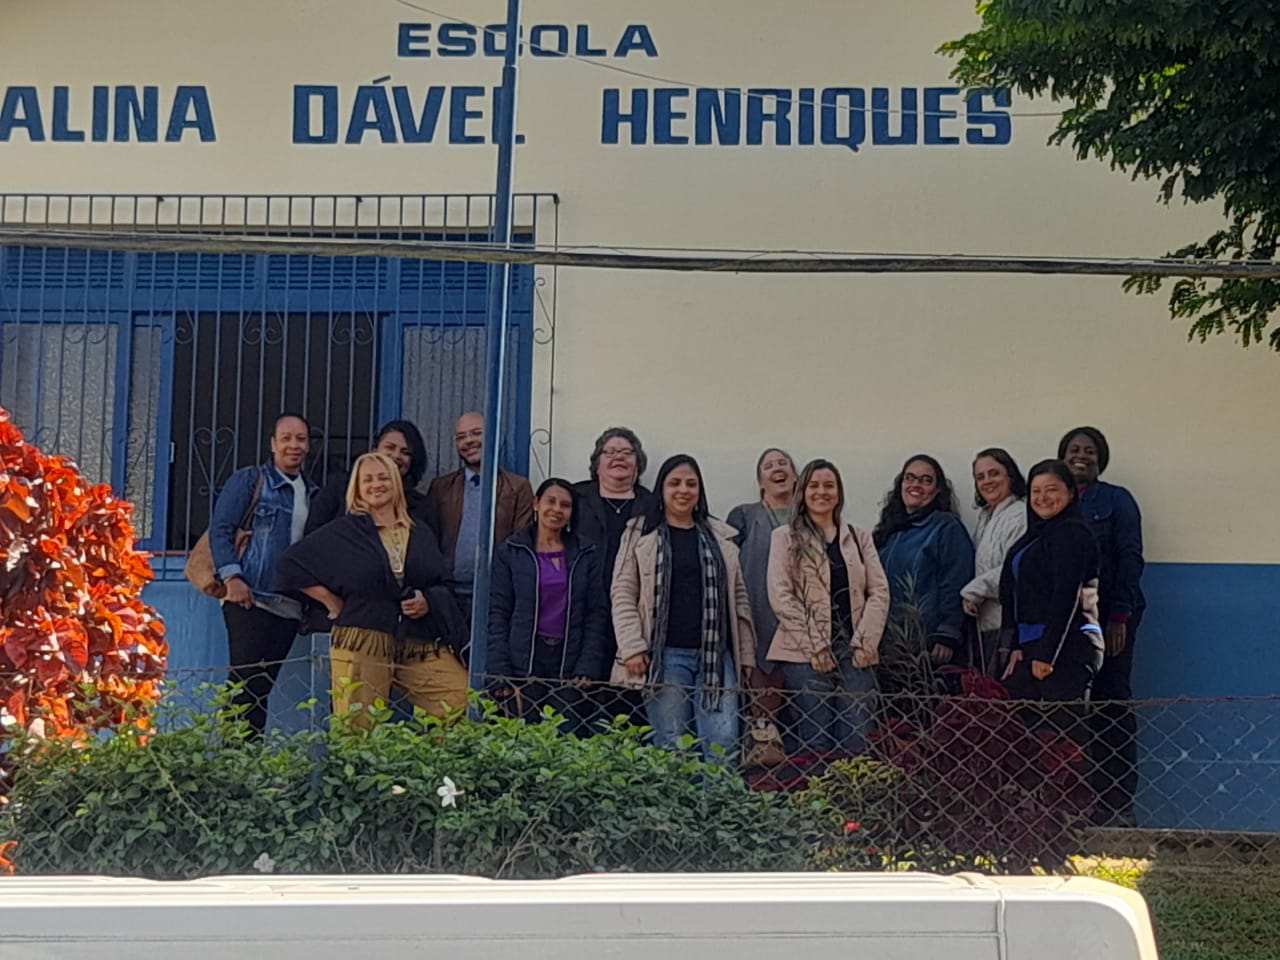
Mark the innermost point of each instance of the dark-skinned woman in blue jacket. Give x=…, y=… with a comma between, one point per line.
x=547, y=615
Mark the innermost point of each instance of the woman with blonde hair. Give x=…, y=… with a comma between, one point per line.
x=831, y=597
x=380, y=576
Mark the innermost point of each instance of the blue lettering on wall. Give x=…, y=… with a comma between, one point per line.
x=882, y=113
x=834, y=116
x=988, y=126
x=303, y=131
x=142, y=115
x=191, y=111
x=612, y=115
x=62, y=132
x=21, y=110
x=419, y=127
x=758, y=114
x=935, y=114
x=457, y=40
x=371, y=111
x=101, y=113
x=717, y=117
x=540, y=40
x=460, y=112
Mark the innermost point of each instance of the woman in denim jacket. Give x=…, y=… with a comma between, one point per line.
x=261, y=623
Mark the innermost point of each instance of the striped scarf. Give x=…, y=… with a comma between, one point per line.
x=714, y=611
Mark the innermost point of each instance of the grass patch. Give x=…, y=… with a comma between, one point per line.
x=1204, y=912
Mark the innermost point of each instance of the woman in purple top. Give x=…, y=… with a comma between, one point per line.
x=546, y=614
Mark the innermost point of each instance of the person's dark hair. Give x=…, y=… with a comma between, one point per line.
x=1099, y=443
x=805, y=537
x=417, y=449
x=290, y=415
x=1060, y=470
x=1017, y=482
x=620, y=433
x=658, y=511
x=564, y=485
x=893, y=513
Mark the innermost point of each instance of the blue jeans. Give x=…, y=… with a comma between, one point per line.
x=676, y=706
x=837, y=709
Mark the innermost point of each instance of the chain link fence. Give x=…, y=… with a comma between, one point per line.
x=561, y=776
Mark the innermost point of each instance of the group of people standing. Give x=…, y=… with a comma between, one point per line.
x=604, y=589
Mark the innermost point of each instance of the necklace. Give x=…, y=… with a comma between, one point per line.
x=395, y=540
x=618, y=505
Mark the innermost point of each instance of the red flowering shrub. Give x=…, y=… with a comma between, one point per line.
x=997, y=783
x=79, y=651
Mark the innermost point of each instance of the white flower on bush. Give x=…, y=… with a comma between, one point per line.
x=449, y=793
x=7, y=720
x=397, y=790
x=264, y=863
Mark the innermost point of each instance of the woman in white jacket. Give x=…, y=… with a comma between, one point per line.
x=1000, y=492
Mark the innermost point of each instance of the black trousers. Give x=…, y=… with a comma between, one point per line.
x=1115, y=731
x=257, y=642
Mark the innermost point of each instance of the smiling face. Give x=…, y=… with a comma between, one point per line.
x=822, y=494
x=554, y=509
x=468, y=435
x=680, y=494
x=617, y=463
x=777, y=476
x=992, y=480
x=1082, y=458
x=289, y=444
x=919, y=485
x=395, y=446
x=1049, y=495
x=377, y=489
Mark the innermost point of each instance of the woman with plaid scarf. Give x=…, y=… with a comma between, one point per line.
x=681, y=615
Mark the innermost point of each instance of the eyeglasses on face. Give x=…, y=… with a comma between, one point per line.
x=924, y=479
x=618, y=452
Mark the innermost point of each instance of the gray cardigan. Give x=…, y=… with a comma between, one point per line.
x=754, y=523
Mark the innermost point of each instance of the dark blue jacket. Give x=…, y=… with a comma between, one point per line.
x=513, y=609
x=928, y=563
x=1112, y=514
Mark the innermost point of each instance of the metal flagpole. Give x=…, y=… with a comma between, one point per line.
x=496, y=350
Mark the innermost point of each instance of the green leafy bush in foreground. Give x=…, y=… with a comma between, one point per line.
x=520, y=800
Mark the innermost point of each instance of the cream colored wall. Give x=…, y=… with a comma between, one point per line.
x=861, y=369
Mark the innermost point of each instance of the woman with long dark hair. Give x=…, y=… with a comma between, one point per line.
x=546, y=612
x=403, y=443
x=1049, y=595
x=831, y=597
x=681, y=615
x=999, y=493
x=928, y=558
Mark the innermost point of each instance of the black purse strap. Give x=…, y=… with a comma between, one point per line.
x=247, y=519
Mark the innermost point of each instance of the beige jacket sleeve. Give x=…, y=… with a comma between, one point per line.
x=788, y=606
x=624, y=593
x=746, y=654
x=875, y=610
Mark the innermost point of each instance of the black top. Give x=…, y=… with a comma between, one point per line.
x=616, y=515
x=1040, y=585
x=684, y=610
x=841, y=608
x=347, y=557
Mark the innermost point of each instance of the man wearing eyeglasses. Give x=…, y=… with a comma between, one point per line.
x=453, y=507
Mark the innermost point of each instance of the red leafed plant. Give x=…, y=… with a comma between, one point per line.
x=990, y=780
x=79, y=650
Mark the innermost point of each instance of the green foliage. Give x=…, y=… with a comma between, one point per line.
x=1180, y=90
x=204, y=799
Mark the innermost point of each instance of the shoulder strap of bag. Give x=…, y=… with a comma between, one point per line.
x=253, y=501
x=856, y=545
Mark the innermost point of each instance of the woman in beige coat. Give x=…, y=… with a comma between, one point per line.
x=831, y=597
x=681, y=615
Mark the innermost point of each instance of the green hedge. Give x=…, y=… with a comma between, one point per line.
x=203, y=799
